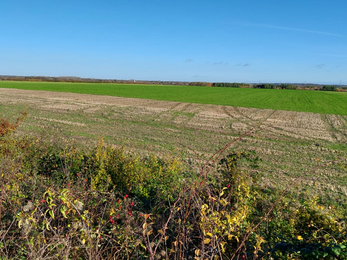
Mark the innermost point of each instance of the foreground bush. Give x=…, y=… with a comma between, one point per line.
x=67, y=203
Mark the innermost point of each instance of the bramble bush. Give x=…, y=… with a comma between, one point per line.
x=63, y=202
x=146, y=178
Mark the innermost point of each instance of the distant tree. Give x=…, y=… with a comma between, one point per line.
x=204, y=84
x=265, y=86
x=329, y=88
x=286, y=86
x=228, y=85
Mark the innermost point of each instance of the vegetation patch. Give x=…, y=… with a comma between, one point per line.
x=60, y=201
x=305, y=101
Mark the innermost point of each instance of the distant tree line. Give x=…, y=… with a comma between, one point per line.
x=287, y=86
x=181, y=83
x=229, y=85
x=265, y=86
x=199, y=84
x=90, y=80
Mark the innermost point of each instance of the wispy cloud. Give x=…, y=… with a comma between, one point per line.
x=188, y=60
x=320, y=66
x=243, y=64
x=332, y=55
x=289, y=29
x=217, y=63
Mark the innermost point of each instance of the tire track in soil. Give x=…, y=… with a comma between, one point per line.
x=343, y=131
x=243, y=115
x=271, y=127
x=344, y=118
x=289, y=133
x=237, y=110
x=225, y=110
x=173, y=107
x=246, y=122
x=233, y=117
x=333, y=129
x=265, y=124
x=177, y=108
x=185, y=107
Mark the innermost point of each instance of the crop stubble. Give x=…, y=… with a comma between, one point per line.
x=290, y=143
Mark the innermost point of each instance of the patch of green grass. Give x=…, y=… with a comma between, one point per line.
x=338, y=146
x=292, y=100
x=180, y=113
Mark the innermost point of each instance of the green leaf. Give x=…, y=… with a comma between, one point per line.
x=47, y=225
x=51, y=213
x=336, y=250
x=63, y=210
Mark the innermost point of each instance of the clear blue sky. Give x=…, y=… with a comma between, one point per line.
x=231, y=40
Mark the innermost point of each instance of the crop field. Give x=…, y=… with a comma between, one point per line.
x=93, y=172
x=289, y=143
x=290, y=100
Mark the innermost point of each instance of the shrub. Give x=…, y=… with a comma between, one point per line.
x=148, y=178
x=329, y=88
x=6, y=127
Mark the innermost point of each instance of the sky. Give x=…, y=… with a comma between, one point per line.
x=250, y=41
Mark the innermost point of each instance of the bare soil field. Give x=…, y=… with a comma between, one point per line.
x=289, y=143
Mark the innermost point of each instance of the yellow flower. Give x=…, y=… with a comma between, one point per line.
x=299, y=238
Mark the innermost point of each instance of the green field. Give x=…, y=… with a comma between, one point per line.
x=292, y=100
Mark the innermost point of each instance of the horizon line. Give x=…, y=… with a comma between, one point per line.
x=134, y=80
